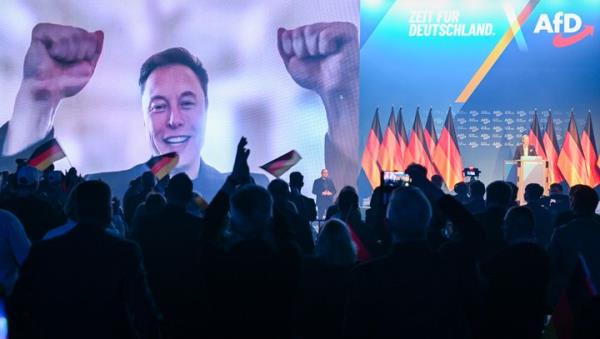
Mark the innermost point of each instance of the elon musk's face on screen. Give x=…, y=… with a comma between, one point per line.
x=174, y=109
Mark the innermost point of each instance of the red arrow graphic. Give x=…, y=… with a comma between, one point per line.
x=560, y=41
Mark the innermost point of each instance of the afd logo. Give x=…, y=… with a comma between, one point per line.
x=567, y=23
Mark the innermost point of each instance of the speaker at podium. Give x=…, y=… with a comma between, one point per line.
x=526, y=170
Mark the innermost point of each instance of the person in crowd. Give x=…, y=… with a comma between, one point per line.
x=462, y=192
x=579, y=236
x=136, y=194
x=515, y=193
x=169, y=242
x=325, y=283
x=61, y=60
x=414, y=292
x=437, y=181
x=362, y=235
x=556, y=202
x=286, y=214
x=524, y=149
x=85, y=284
x=150, y=208
x=375, y=218
x=306, y=206
x=476, y=191
x=14, y=248
x=498, y=199
x=36, y=214
x=516, y=281
x=324, y=189
x=542, y=217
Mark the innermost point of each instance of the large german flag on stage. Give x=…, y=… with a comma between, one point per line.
x=370, y=157
x=418, y=148
x=389, y=151
x=161, y=165
x=590, y=154
x=447, y=156
x=570, y=160
x=551, y=148
x=535, y=136
x=46, y=154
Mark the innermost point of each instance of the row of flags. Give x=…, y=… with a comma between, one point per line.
x=394, y=151
x=577, y=162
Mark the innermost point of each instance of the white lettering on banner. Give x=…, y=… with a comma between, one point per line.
x=445, y=24
x=561, y=23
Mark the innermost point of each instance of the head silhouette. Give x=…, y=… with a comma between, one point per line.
x=251, y=211
x=90, y=203
x=296, y=180
x=498, y=193
x=180, y=189
x=280, y=191
x=533, y=192
x=584, y=200
x=477, y=189
x=408, y=214
x=335, y=245
x=519, y=224
x=347, y=200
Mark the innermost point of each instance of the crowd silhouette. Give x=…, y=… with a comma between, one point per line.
x=255, y=262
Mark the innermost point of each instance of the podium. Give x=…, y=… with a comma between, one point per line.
x=527, y=170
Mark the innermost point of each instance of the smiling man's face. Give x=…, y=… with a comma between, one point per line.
x=174, y=108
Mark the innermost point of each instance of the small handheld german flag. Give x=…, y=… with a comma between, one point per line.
x=282, y=164
x=161, y=165
x=46, y=154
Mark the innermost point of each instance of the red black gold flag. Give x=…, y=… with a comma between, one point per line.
x=570, y=160
x=447, y=156
x=535, y=136
x=551, y=148
x=370, y=155
x=403, y=154
x=389, y=151
x=161, y=165
x=282, y=164
x=46, y=154
x=431, y=138
x=590, y=154
x=418, y=148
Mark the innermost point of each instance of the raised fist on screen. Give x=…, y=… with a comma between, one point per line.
x=61, y=59
x=322, y=57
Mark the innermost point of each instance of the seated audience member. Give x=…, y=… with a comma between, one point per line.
x=476, y=203
x=324, y=283
x=543, y=218
x=498, y=200
x=36, y=214
x=411, y=293
x=516, y=282
x=556, y=202
x=580, y=236
x=362, y=235
x=293, y=225
x=252, y=283
x=306, y=206
x=14, y=247
x=85, y=284
x=462, y=192
x=136, y=194
x=170, y=242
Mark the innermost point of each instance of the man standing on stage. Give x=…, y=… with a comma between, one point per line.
x=324, y=189
x=524, y=149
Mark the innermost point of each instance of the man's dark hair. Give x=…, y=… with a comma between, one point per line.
x=498, y=193
x=180, y=189
x=461, y=188
x=519, y=223
x=514, y=190
x=556, y=187
x=584, y=200
x=347, y=199
x=533, y=192
x=148, y=180
x=416, y=171
x=437, y=180
x=174, y=56
x=477, y=189
x=90, y=203
x=296, y=180
x=279, y=189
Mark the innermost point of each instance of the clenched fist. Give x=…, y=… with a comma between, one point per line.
x=322, y=57
x=62, y=59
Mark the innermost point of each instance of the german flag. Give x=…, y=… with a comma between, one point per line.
x=388, y=152
x=590, y=154
x=431, y=138
x=403, y=155
x=570, y=160
x=447, y=156
x=551, y=148
x=161, y=165
x=370, y=155
x=535, y=136
x=418, y=148
x=282, y=164
x=46, y=154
